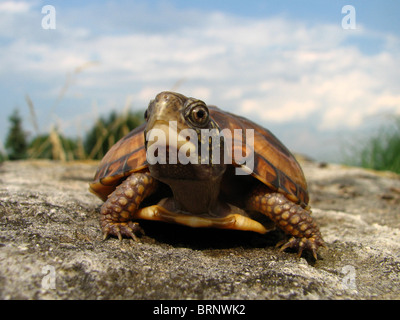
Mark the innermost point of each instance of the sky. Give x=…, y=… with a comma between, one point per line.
x=317, y=77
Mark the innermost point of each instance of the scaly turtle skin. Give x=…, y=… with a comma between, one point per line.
x=198, y=192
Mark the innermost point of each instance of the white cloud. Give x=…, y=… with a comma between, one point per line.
x=14, y=7
x=290, y=110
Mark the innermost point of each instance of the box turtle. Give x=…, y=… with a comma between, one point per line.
x=200, y=166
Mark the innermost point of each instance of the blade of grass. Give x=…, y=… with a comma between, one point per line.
x=32, y=113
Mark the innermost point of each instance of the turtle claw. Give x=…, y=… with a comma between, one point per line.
x=119, y=236
x=132, y=230
x=310, y=244
x=122, y=229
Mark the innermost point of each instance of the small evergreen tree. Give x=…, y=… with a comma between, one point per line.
x=16, y=141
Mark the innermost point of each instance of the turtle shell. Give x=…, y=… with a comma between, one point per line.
x=274, y=165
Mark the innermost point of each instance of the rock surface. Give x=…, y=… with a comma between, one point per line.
x=51, y=245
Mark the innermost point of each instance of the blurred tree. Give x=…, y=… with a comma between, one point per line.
x=53, y=146
x=16, y=141
x=108, y=130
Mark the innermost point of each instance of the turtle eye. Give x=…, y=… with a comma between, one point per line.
x=199, y=115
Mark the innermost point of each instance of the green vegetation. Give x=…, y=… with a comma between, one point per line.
x=16, y=141
x=107, y=131
x=381, y=151
x=54, y=145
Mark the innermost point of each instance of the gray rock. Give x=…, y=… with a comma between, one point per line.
x=51, y=245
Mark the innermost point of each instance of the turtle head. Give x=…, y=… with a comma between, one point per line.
x=179, y=130
x=186, y=113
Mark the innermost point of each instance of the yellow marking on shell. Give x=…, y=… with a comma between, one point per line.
x=148, y=213
x=232, y=221
x=108, y=180
x=292, y=197
x=281, y=191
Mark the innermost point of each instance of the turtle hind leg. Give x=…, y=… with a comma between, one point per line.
x=117, y=213
x=293, y=219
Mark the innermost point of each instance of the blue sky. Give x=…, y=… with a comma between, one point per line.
x=288, y=65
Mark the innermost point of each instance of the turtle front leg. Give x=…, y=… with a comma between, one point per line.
x=290, y=217
x=119, y=210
